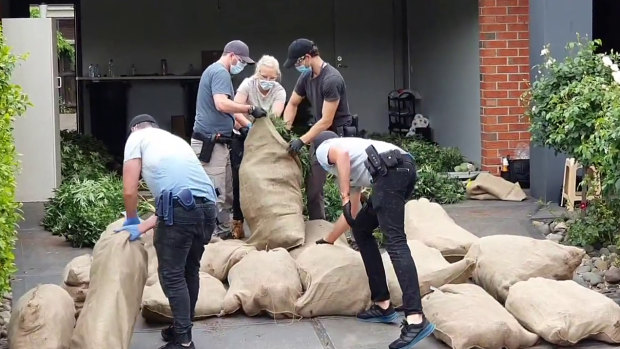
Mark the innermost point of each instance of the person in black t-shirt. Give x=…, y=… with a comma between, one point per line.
x=325, y=89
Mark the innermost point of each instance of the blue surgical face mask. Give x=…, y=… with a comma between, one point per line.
x=303, y=69
x=237, y=68
x=266, y=84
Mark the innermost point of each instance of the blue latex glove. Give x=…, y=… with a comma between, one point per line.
x=134, y=232
x=249, y=125
x=131, y=221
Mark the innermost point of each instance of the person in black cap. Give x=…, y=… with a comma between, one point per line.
x=326, y=91
x=184, y=221
x=391, y=172
x=215, y=121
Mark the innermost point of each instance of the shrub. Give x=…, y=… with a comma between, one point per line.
x=599, y=225
x=438, y=187
x=82, y=208
x=13, y=103
x=83, y=156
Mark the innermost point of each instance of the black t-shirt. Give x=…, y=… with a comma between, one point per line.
x=327, y=86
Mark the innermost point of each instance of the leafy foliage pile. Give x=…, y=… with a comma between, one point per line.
x=13, y=103
x=83, y=156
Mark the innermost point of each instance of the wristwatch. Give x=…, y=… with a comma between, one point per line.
x=251, y=109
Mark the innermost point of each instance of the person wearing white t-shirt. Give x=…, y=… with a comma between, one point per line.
x=391, y=172
x=263, y=90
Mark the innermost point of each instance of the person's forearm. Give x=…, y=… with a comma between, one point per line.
x=148, y=223
x=320, y=126
x=131, y=202
x=232, y=107
x=241, y=120
x=289, y=115
x=341, y=225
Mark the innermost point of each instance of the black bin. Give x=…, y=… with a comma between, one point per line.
x=519, y=171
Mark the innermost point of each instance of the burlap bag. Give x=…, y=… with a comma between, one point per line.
x=316, y=230
x=564, y=312
x=156, y=308
x=467, y=317
x=270, y=187
x=489, y=187
x=433, y=270
x=219, y=257
x=503, y=260
x=263, y=281
x=151, y=256
x=334, y=280
x=117, y=278
x=76, y=279
x=43, y=318
x=429, y=223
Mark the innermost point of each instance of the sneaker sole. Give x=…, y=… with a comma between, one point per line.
x=389, y=319
x=427, y=331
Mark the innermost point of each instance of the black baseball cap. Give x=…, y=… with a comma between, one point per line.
x=142, y=118
x=297, y=49
x=239, y=48
x=322, y=137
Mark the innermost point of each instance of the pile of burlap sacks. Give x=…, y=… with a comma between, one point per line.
x=490, y=292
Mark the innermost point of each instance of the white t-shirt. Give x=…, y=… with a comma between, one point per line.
x=356, y=147
x=168, y=163
x=250, y=86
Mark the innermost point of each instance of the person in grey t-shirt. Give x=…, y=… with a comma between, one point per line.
x=215, y=111
x=326, y=91
x=392, y=178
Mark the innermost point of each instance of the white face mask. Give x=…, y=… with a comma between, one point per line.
x=237, y=68
x=266, y=84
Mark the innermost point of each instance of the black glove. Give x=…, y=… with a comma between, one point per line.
x=346, y=211
x=295, y=146
x=244, y=132
x=322, y=241
x=258, y=112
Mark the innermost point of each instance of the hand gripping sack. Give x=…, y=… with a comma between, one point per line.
x=503, y=260
x=156, y=307
x=220, y=256
x=117, y=278
x=270, y=189
x=433, y=270
x=42, y=319
x=263, y=281
x=334, y=281
x=466, y=317
x=564, y=312
x=429, y=223
x=315, y=230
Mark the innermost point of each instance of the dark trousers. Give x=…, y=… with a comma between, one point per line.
x=314, y=189
x=179, y=248
x=386, y=209
x=236, y=155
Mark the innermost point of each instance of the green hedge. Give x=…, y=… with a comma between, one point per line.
x=13, y=103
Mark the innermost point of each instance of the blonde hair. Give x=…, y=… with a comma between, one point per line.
x=269, y=62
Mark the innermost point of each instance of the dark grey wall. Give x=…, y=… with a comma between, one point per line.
x=553, y=22
x=445, y=69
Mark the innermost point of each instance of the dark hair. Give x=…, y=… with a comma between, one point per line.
x=314, y=52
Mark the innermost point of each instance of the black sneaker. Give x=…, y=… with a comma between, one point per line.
x=167, y=334
x=378, y=315
x=174, y=345
x=410, y=335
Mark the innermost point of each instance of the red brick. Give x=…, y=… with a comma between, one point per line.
x=489, y=102
x=495, y=44
x=488, y=86
x=523, y=19
x=507, y=136
x=490, y=153
x=524, y=135
x=494, y=60
x=507, y=36
x=490, y=136
x=524, y=52
x=495, y=128
x=524, y=85
x=507, y=3
x=524, y=35
x=508, y=85
x=494, y=94
x=516, y=144
x=518, y=43
x=519, y=127
x=517, y=111
x=515, y=94
x=488, y=119
x=494, y=170
x=508, y=102
x=519, y=77
x=492, y=28
x=487, y=19
x=494, y=77
x=519, y=60
x=506, y=19
x=485, y=3
x=518, y=10
x=524, y=3
x=488, y=69
x=510, y=52
x=495, y=144
x=508, y=119
x=508, y=69
x=493, y=11
x=496, y=111
x=524, y=69
x=518, y=27
x=488, y=52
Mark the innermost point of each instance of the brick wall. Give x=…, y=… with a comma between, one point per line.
x=504, y=70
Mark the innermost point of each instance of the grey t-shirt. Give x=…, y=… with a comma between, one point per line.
x=168, y=163
x=327, y=86
x=214, y=80
x=249, y=87
x=356, y=147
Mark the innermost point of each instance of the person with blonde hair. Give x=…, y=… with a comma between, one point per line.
x=262, y=90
